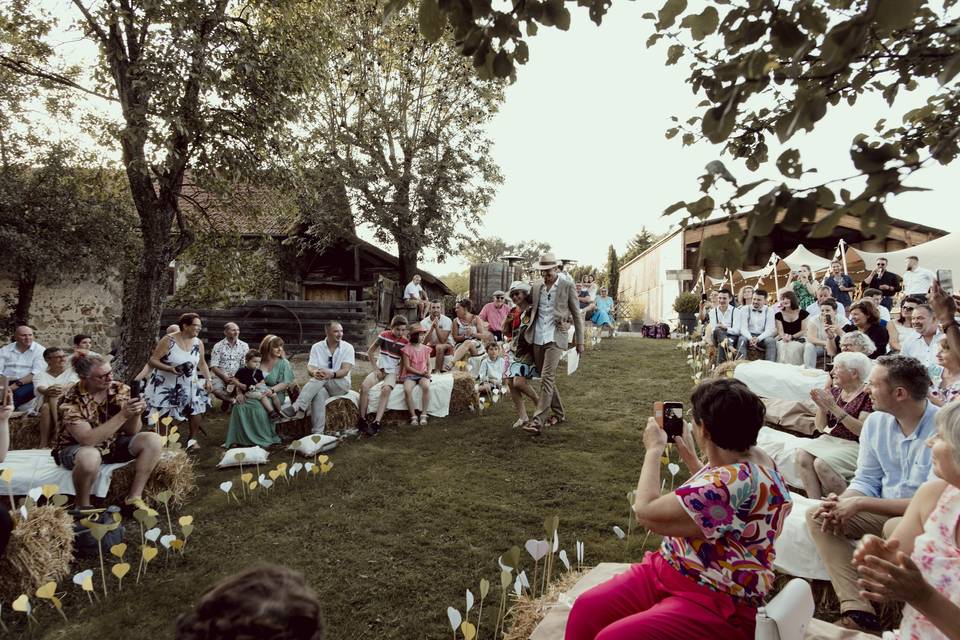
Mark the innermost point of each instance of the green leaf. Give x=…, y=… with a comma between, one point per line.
x=502, y=66
x=824, y=228
x=744, y=189
x=702, y=208
x=786, y=38
x=703, y=24
x=950, y=70
x=799, y=211
x=676, y=206
x=431, y=20
x=789, y=164
x=521, y=53
x=673, y=53
x=896, y=14
x=725, y=249
x=874, y=222
x=668, y=14
x=671, y=132
x=531, y=28
x=718, y=125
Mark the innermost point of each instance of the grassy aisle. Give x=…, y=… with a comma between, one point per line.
x=407, y=521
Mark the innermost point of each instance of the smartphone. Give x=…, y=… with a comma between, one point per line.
x=136, y=388
x=669, y=415
x=945, y=277
x=4, y=385
x=703, y=297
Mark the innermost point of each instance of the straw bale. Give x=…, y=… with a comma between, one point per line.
x=341, y=414
x=527, y=612
x=464, y=394
x=24, y=432
x=40, y=550
x=726, y=369
x=174, y=473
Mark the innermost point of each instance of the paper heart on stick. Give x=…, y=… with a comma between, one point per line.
x=166, y=420
x=468, y=630
x=153, y=418
x=317, y=439
x=323, y=459
x=537, y=548
x=673, y=468
x=120, y=570
x=620, y=534
x=294, y=445
x=453, y=615
x=163, y=496
x=512, y=557
x=119, y=549
x=22, y=604
x=47, y=591
x=239, y=456
x=177, y=544
x=191, y=443
x=551, y=523
x=274, y=474
x=174, y=429
x=564, y=559
x=35, y=494
x=7, y=475
x=49, y=490
x=23, y=512
x=187, y=529
x=518, y=586
x=524, y=580
x=252, y=485
x=226, y=486
x=148, y=552
x=173, y=437
x=59, y=500
x=246, y=477
x=266, y=483
x=504, y=580
x=83, y=575
x=325, y=468
x=469, y=601
x=308, y=466
x=295, y=468
x=152, y=535
x=484, y=589
x=167, y=539
x=185, y=520
x=164, y=440
x=282, y=468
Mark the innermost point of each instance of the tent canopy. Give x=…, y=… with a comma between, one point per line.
x=942, y=253
x=803, y=256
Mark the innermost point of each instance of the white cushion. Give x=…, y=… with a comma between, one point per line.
x=251, y=455
x=313, y=444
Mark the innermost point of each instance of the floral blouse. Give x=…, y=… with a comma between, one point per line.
x=740, y=509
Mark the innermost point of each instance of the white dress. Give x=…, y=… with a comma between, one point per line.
x=178, y=395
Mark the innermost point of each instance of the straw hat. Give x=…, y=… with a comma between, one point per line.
x=520, y=285
x=547, y=261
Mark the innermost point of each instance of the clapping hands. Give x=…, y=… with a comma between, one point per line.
x=887, y=573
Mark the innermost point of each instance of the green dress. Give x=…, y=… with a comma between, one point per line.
x=249, y=422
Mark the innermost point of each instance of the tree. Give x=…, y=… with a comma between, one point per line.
x=59, y=217
x=402, y=121
x=639, y=243
x=491, y=249
x=613, y=272
x=200, y=90
x=579, y=271
x=766, y=70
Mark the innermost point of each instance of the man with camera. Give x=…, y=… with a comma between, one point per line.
x=100, y=424
x=887, y=282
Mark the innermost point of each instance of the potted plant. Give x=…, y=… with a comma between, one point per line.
x=686, y=305
x=633, y=310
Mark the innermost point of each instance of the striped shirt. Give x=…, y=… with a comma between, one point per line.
x=390, y=346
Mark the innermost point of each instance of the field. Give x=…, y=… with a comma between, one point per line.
x=407, y=521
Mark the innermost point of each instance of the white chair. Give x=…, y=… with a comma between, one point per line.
x=786, y=616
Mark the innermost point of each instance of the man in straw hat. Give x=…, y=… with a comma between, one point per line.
x=555, y=307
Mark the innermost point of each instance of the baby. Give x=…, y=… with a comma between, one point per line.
x=250, y=382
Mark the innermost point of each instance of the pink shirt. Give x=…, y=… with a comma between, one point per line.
x=418, y=355
x=493, y=316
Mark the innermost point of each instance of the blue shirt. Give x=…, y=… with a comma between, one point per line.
x=843, y=297
x=891, y=465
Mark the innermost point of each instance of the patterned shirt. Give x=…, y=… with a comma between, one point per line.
x=78, y=407
x=740, y=509
x=228, y=357
x=390, y=346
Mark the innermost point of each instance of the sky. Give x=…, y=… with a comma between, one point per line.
x=580, y=142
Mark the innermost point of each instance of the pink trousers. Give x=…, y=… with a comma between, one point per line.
x=653, y=601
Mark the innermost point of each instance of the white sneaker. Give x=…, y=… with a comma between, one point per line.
x=413, y=421
x=423, y=419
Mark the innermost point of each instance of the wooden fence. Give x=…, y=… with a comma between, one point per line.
x=299, y=322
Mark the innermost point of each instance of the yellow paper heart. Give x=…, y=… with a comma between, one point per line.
x=55, y=601
x=469, y=631
x=325, y=468
x=6, y=475
x=282, y=467
x=22, y=604
x=148, y=553
x=87, y=584
x=322, y=459
x=47, y=591
x=274, y=474
x=315, y=469
x=119, y=549
x=253, y=485
x=59, y=500
x=173, y=437
x=166, y=420
x=187, y=529
x=245, y=477
x=50, y=490
x=177, y=544
x=163, y=441
x=185, y=520
x=120, y=570
x=174, y=430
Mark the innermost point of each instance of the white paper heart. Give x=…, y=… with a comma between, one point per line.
x=295, y=468
x=308, y=466
x=673, y=468
x=152, y=534
x=266, y=483
x=496, y=391
x=167, y=539
x=83, y=575
x=36, y=493
x=523, y=579
x=226, y=486
x=564, y=559
x=504, y=567
x=536, y=548
x=191, y=443
x=453, y=615
x=579, y=552
x=556, y=541
x=469, y=600
x=518, y=586
x=23, y=511
x=620, y=534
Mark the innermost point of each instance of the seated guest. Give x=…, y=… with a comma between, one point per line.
x=82, y=346
x=828, y=462
x=744, y=296
x=876, y=297
x=925, y=343
x=493, y=314
x=758, y=328
x=414, y=297
x=791, y=329
x=100, y=424
x=385, y=352
x=721, y=319
x=50, y=385
x=438, y=335
x=865, y=318
x=259, y=602
x=947, y=388
x=329, y=366
x=415, y=372
x=250, y=384
x=893, y=462
x=249, y=421
x=20, y=361
x=708, y=302
x=902, y=328
x=490, y=376
x=819, y=332
x=587, y=296
x=853, y=341
x=603, y=316
x=715, y=566
x=823, y=293
x=469, y=332
x=226, y=357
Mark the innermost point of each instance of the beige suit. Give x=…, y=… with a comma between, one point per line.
x=566, y=310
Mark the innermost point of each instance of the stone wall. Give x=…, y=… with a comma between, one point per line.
x=63, y=309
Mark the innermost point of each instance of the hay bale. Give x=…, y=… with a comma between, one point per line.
x=527, y=612
x=726, y=369
x=174, y=473
x=341, y=414
x=24, y=432
x=464, y=394
x=40, y=550
x=295, y=428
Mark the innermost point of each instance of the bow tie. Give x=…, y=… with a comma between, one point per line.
x=757, y=310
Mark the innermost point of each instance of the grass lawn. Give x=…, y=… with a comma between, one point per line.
x=407, y=521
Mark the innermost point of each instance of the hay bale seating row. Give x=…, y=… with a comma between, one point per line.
x=40, y=550
x=24, y=431
x=174, y=473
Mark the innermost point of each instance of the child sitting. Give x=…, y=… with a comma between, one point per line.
x=491, y=370
x=385, y=351
x=249, y=382
x=415, y=370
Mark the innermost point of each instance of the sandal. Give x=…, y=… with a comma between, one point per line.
x=520, y=423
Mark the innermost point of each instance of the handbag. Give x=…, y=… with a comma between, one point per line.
x=85, y=544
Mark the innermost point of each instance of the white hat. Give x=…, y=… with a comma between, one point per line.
x=547, y=261
x=520, y=285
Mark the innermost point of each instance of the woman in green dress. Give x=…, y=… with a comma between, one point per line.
x=249, y=422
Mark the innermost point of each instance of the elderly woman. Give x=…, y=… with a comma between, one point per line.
x=920, y=561
x=791, y=329
x=174, y=388
x=602, y=318
x=715, y=565
x=522, y=368
x=865, y=318
x=948, y=387
x=828, y=462
x=249, y=421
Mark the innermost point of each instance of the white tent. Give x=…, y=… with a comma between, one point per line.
x=942, y=253
x=803, y=256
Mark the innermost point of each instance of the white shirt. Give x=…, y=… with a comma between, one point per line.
x=814, y=310
x=918, y=281
x=229, y=357
x=412, y=290
x=545, y=326
x=757, y=322
x=916, y=347
x=322, y=358
x=16, y=364
x=716, y=317
x=491, y=370
x=46, y=379
x=443, y=324
x=884, y=312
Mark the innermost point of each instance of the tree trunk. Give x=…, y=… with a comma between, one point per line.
x=26, y=283
x=408, y=260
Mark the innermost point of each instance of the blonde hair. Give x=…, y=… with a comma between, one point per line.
x=948, y=421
